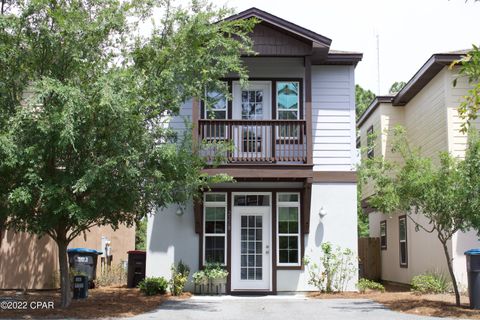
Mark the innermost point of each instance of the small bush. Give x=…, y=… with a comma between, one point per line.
x=430, y=282
x=215, y=271
x=112, y=275
x=153, y=286
x=179, y=278
x=365, y=284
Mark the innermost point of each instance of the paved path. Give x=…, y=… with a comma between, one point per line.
x=274, y=308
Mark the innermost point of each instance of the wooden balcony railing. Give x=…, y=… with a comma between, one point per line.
x=266, y=141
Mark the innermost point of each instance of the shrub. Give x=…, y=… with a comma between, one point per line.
x=179, y=278
x=200, y=277
x=336, y=269
x=365, y=284
x=112, y=275
x=153, y=286
x=430, y=282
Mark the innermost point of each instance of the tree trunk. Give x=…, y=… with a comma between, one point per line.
x=64, y=273
x=452, y=274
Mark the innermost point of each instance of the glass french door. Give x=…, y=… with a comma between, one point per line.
x=251, y=139
x=251, y=240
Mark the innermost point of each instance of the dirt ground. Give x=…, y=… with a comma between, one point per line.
x=101, y=303
x=402, y=300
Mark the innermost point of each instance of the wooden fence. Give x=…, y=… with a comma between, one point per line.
x=369, y=254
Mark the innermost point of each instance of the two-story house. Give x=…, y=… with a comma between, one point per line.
x=293, y=132
x=427, y=108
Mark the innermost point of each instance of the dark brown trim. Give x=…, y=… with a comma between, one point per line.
x=266, y=171
x=285, y=25
x=308, y=108
x=335, y=176
x=252, y=293
x=229, y=242
x=383, y=247
x=198, y=214
x=195, y=118
x=404, y=265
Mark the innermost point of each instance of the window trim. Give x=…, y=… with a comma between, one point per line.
x=384, y=223
x=205, y=109
x=278, y=234
x=299, y=105
x=225, y=234
x=405, y=264
x=370, y=143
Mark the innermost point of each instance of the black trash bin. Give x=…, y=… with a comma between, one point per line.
x=84, y=260
x=473, y=272
x=136, y=267
x=80, y=287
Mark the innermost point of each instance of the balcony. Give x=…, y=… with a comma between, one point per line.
x=256, y=141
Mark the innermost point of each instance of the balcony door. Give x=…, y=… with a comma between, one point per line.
x=251, y=106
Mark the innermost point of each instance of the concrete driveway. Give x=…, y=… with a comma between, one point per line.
x=272, y=307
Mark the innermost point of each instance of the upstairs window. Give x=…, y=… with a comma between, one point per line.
x=370, y=143
x=288, y=106
x=214, y=228
x=288, y=229
x=215, y=106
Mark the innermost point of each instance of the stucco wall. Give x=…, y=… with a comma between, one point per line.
x=339, y=227
x=425, y=253
x=171, y=238
x=32, y=263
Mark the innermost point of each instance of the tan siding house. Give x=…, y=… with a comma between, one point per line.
x=426, y=107
x=32, y=263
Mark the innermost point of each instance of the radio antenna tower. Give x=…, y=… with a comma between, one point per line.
x=378, y=64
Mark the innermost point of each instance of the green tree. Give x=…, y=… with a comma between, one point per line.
x=141, y=235
x=469, y=67
x=363, y=98
x=445, y=194
x=396, y=87
x=83, y=109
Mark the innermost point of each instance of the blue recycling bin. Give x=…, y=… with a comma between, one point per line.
x=84, y=261
x=473, y=273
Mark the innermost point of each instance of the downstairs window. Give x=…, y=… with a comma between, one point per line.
x=214, y=228
x=288, y=229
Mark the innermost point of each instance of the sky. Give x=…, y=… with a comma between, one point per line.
x=409, y=31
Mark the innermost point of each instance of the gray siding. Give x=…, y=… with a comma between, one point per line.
x=333, y=111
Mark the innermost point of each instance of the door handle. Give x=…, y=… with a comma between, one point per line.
x=267, y=249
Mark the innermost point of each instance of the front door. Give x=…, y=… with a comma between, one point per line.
x=251, y=248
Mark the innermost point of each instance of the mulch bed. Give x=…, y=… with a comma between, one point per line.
x=101, y=303
x=437, y=305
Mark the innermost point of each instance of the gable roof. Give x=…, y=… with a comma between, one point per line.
x=320, y=51
x=426, y=73
x=419, y=80
x=288, y=26
x=372, y=107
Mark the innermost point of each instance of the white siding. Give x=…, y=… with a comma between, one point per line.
x=333, y=123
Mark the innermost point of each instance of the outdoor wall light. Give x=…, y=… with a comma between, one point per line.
x=322, y=213
x=180, y=211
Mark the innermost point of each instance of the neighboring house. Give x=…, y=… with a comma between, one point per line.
x=426, y=107
x=293, y=129
x=30, y=262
